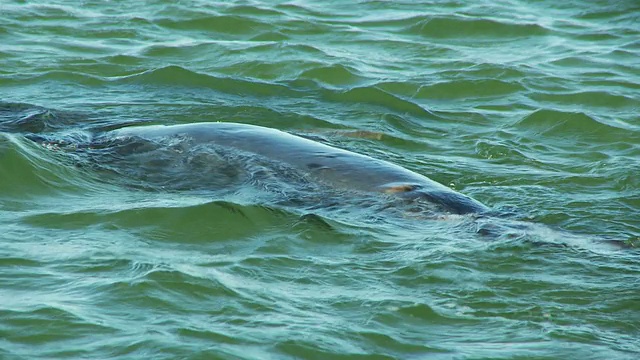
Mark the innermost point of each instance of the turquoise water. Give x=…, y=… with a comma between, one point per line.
x=531, y=107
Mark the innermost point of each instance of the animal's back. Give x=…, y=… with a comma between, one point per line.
x=336, y=167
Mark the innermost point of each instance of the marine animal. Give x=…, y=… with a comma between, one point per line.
x=341, y=169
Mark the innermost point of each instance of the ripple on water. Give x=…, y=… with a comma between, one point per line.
x=220, y=24
x=191, y=79
x=373, y=95
x=334, y=75
x=463, y=27
x=572, y=126
x=42, y=325
x=470, y=89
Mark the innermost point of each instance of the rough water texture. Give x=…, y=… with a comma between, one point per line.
x=530, y=107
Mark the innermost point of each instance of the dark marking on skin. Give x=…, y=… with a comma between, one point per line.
x=315, y=166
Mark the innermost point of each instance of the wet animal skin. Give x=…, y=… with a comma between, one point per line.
x=335, y=167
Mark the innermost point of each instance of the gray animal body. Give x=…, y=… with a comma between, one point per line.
x=335, y=167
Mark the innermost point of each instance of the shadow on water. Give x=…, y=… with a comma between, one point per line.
x=232, y=179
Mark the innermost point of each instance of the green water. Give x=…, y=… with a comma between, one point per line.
x=531, y=107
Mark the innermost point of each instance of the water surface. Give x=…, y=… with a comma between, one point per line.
x=528, y=106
